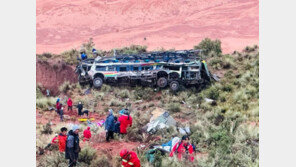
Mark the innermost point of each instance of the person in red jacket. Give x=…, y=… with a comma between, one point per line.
x=62, y=139
x=54, y=141
x=125, y=121
x=87, y=134
x=129, y=159
x=183, y=149
x=69, y=102
x=58, y=105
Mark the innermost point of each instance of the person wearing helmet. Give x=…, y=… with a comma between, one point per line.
x=94, y=52
x=129, y=159
x=183, y=149
x=72, y=146
x=83, y=56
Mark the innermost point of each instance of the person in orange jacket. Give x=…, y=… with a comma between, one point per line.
x=125, y=121
x=70, y=104
x=87, y=134
x=129, y=159
x=183, y=149
x=62, y=139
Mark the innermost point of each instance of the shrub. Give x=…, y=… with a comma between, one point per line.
x=70, y=56
x=124, y=93
x=46, y=129
x=54, y=158
x=66, y=86
x=106, y=88
x=87, y=155
x=174, y=107
x=143, y=93
x=45, y=102
x=215, y=63
x=101, y=161
x=133, y=49
x=208, y=45
x=116, y=103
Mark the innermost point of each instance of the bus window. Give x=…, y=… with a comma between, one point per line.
x=136, y=69
x=100, y=68
x=158, y=67
x=122, y=68
x=111, y=68
x=148, y=68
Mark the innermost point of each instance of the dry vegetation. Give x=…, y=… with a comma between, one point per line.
x=225, y=130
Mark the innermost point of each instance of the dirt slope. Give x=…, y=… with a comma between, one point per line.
x=52, y=74
x=179, y=24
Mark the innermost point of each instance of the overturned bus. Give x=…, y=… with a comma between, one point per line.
x=159, y=69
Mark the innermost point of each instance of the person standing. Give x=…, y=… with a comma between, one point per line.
x=61, y=113
x=129, y=159
x=110, y=126
x=117, y=125
x=72, y=146
x=70, y=103
x=62, y=139
x=125, y=121
x=58, y=106
x=80, y=108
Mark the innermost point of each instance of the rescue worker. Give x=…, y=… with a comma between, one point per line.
x=54, y=141
x=183, y=149
x=94, y=52
x=80, y=108
x=83, y=56
x=72, y=146
x=69, y=103
x=58, y=106
x=62, y=139
x=125, y=121
x=129, y=159
x=87, y=134
x=110, y=126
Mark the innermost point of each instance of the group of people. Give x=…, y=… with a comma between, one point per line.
x=117, y=125
x=69, y=143
x=83, y=54
x=60, y=108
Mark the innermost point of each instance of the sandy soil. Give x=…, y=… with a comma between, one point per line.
x=179, y=24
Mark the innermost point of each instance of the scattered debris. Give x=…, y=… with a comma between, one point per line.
x=138, y=101
x=216, y=77
x=209, y=100
x=163, y=120
x=87, y=91
x=184, y=131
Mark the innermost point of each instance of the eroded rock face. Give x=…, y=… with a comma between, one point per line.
x=52, y=74
x=63, y=25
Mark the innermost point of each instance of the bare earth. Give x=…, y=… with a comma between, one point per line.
x=180, y=24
